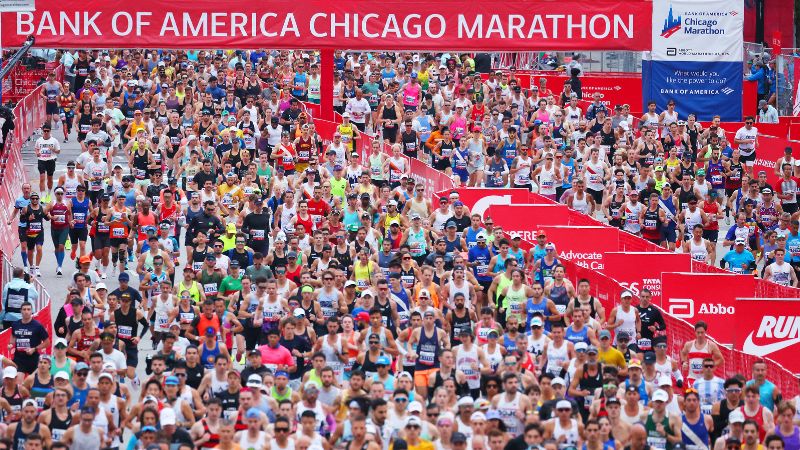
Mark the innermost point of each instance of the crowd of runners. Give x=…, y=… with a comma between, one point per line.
x=300, y=292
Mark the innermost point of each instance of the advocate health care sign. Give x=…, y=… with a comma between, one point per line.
x=314, y=24
x=696, y=57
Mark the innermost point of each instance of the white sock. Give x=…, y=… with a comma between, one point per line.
x=105, y=268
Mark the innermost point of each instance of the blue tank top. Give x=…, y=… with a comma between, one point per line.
x=428, y=351
x=518, y=255
x=509, y=151
x=509, y=344
x=766, y=393
x=491, y=179
x=80, y=212
x=460, y=159
x=643, y=397
x=567, y=183
x=207, y=356
x=500, y=264
x=470, y=236
x=299, y=79
x=130, y=198
x=531, y=308
x=402, y=309
x=560, y=296
x=545, y=272
x=792, y=441
x=481, y=257
x=577, y=336
x=669, y=211
x=698, y=429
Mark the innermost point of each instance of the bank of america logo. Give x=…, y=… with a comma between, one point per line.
x=671, y=24
x=727, y=91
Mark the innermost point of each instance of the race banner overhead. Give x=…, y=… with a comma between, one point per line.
x=696, y=57
x=471, y=25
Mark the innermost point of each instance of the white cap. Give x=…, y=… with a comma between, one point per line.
x=404, y=374
x=581, y=346
x=10, y=372
x=299, y=312
x=61, y=375
x=100, y=286
x=735, y=416
x=255, y=381
x=413, y=420
x=167, y=417
x=563, y=404
x=106, y=375
x=424, y=293
x=625, y=293
x=415, y=406
x=660, y=395
x=558, y=380
x=60, y=340
x=465, y=401
x=665, y=380
x=149, y=398
x=109, y=366
x=477, y=416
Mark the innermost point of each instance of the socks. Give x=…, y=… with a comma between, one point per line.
x=60, y=258
x=24, y=258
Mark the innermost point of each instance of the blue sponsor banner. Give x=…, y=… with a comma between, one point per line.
x=703, y=88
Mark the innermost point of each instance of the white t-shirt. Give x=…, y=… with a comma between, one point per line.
x=116, y=357
x=47, y=148
x=744, y=133
x=358, y=109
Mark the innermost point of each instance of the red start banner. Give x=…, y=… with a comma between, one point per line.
x=642, y=270
x=769, y=328
x=478, y=200
x=585, y=246
x=513, y=218
x=687, y=296
x=388, y=25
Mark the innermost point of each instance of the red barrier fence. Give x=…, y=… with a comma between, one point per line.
x=41, y=307
x=22, y=80
x=30, y=115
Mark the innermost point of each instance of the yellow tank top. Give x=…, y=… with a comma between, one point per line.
x=363, y=275
x=227, y=242
x=390, y=220
x=136, y=127
x=194, y=292
x=338, y=187
x=346, y=132
x=660, y=183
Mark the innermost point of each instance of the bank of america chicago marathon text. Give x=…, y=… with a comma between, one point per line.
x=326, y=25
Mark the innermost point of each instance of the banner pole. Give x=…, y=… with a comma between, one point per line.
x=326, y=68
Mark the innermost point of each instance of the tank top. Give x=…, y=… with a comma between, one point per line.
x=628, y=321
x=575, y=337
x=208, y=355
x=695, y=435
x=213, y=440
x=699, y=252
x=655, y=439
x=39, y=390
x=58, y=215
x=758, y=418
x=651, y=228
x=531, y=308
x=508, y=413
x=20, y=436
x=696, y=357
x=513, y=302
x=559, y=296
x=58, y=426
x=555, y=357
x=631, y=214
x=570, y=434
x=428, y=350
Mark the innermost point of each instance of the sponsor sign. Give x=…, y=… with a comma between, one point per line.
x=769, y=150
x=688, y=296
x=556, y=25
x=769, y=328
x=513, y=218
x=478, y=200
x=585, y=246
x=642, y=270
x=696, y=57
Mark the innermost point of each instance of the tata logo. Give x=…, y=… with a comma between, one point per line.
x=633, y=287
x=783, y=331
x=671, y=24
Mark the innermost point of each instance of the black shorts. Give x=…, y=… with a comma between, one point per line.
x=78, y=234
x=101, y=241
x=521, y=186
x=26, y=364
x=116, y=242
x=52, y=108
x=33, y=241
x=669, y=235
x=131, y=355
x=710, y=235
x=378, y=183
x=21, y=234
x=596, y=195
x=751, y=157
x=46, y=166
x=485, y=285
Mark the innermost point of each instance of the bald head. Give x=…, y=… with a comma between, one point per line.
x=638, y=437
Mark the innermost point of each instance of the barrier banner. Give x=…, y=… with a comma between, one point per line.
x=478, y=200
x=642, y=270
x=469, y=25
x=769, y=150
x=696, y=57
x=769, y=328
x=585, y=246
x=615, y=89
x=690, y=296
x=513, y=218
